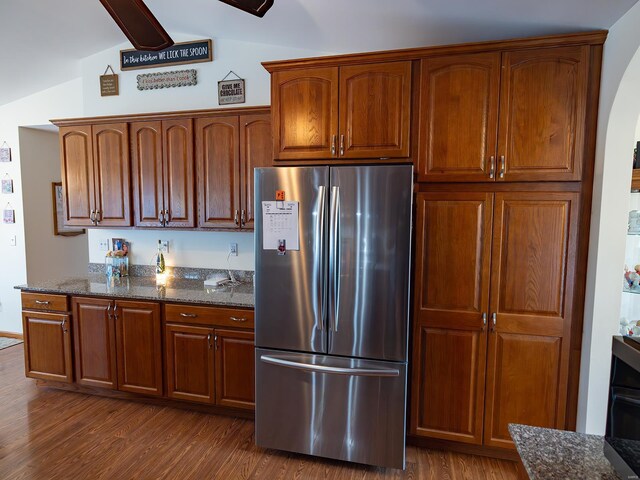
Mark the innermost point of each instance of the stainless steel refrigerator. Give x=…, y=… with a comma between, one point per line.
x=331, y=317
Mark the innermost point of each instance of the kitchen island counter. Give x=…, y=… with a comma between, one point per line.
x=549, y=454
x=178, y=290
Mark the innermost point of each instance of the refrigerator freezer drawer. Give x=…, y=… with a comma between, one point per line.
x=334, y=407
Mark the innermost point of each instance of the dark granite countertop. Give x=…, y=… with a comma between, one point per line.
x=549, y=454
x=144, y=288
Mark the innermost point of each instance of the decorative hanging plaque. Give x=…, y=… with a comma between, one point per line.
x=231, y=91
x=5, y=153
x=7, y=184
x=9, y=215
x=178, y=54
x=109, y=83
x=178, y=78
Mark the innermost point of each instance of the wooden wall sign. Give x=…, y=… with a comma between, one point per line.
x=109, y=83
x=179, y=78
x=178, y=54
x=231, y=91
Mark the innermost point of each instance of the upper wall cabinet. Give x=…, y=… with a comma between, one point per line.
x=227, y=150
x=355, y=111
x=539, y=133
x=163, y=173
x=95, y=175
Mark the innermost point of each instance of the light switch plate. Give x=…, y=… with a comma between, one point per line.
x=164, y=246
x=233, y=249
x=13, y=241
x=104, y=245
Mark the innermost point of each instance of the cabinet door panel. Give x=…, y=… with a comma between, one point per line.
x=218, y=164
x=235, y=369
x=47, y=346
x=255, y=151
x=146, y=159
x=189, y=363
x=111, y=168
x=449, y=394
x=453, y=242
x=179, y=180
x=532, y=283
x=542, y=113
x=304, y=104
x=76, y=156
x=94, y=343
x=459, y=117
x=375, y=110
x=139, y=347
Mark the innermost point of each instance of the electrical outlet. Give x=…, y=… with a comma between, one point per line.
x=104, y=244
x=164, y=246
x=13, y=241
x=233, y=249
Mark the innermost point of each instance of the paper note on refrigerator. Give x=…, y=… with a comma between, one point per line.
x=280, y=222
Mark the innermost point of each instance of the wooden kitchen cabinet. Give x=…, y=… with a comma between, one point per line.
x=163, y=173
x=532, y=278
x=304, y=107
x=375, y=110
x=459, y=117
x=235, y=369
x=47, y=346
x=453, y=255
x=350, y=111
x=139, y=347
x=95, y=175
x=94, y=342
x=190, y=363
x=495, y=275
x=218, y=167
x=541, y=96
x=256, y=147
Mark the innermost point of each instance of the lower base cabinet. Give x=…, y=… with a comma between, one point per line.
x=235, y=369
x=118, y=345
x=189, y=360
x=47, y=346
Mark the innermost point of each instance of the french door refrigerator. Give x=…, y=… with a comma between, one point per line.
x=331, y=317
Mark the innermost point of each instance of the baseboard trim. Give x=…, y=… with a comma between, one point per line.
x=12, y=335
x=484, y=451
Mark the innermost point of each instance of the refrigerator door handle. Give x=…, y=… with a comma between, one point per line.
x=334, y=258
x=320, y=263
x=362, y=372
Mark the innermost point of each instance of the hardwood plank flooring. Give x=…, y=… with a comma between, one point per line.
x=53, y=434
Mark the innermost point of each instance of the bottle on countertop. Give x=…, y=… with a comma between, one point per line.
x=160, y=259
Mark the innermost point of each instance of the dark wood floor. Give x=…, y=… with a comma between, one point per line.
x=51, y=434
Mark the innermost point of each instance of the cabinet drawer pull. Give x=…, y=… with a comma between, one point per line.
x=63, y=324
x=238, y=319
x=484, y=321
x=492, y=166
x=494, y=321
x=42, y=302
x=503, y=163
x=235, y=217
x=242, y=219
x=188, y=315
x=333, y=145
x=209, y=340
x=341, y=145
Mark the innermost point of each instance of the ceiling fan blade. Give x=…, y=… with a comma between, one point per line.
x=138, y=23
x=254, y=7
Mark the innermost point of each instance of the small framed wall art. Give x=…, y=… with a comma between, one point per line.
x=8, y=214
x=59, y=228
x=7, y=184
x=5, y=153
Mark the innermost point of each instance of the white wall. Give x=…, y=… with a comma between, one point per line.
x=48, y=255
x=618, y=116
x=186, y=248
x=37, y=109
x=189, y=249
x=242, y=57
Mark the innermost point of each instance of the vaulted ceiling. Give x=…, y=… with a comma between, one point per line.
x=43, y=40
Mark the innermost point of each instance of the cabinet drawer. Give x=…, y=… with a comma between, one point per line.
x=45, y=301
x=214, y=316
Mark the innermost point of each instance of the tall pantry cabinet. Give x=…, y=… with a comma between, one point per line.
x=505, y=161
